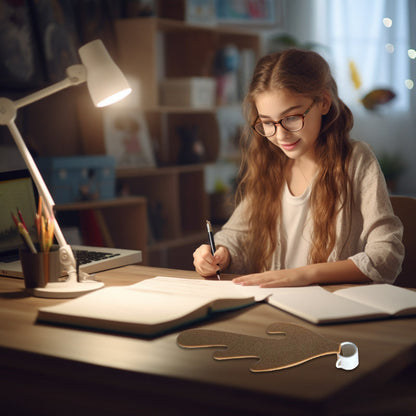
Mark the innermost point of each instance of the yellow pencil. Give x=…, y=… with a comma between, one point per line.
x=42, y=234
x=49, y=233
x=26, y=238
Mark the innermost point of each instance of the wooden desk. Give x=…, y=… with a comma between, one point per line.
x=51, y=370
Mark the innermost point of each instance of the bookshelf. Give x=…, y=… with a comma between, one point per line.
x=153, y=50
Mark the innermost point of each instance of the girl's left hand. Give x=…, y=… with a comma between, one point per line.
x=342, y=271
x=275, y=278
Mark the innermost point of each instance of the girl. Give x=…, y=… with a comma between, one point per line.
x=313, y=205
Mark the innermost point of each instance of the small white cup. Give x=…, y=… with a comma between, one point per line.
x=347, y=358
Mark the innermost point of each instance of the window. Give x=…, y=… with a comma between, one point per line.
x=375, y=36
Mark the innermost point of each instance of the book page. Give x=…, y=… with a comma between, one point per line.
x=317, y=305
x=212, y=289
x=389, y=298
x=122, y=304
x=154, y=301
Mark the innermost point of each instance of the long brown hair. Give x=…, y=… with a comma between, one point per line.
x=263, y=163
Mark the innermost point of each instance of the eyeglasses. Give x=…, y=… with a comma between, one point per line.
x=290, y=123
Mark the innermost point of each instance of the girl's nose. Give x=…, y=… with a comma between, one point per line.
x=281, y=133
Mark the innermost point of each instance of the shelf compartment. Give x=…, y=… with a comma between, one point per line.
x=122, y=222
x=170, y=140
x=162, y=194
x=176, y=196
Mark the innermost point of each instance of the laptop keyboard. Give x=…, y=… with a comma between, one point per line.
x=87, y=256
x=82, y=256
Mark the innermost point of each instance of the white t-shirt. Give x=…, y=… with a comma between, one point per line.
x=295, y=229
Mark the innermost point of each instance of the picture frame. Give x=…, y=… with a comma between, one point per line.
x=58, y=36
x=202, y=12
x=252, y=12
x=127, y=138
x=20, y=65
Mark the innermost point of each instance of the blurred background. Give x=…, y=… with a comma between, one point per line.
x=174, y=142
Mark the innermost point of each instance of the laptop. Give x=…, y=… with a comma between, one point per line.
x=17, y=191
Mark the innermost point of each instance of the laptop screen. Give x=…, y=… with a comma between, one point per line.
x=16, y=192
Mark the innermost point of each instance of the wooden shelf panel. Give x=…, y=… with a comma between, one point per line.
x=137, y=49
x=172, y=25
x=164, y=109
x=160, y=171
x=106, y=203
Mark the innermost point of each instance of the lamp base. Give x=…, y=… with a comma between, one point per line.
x=65, y=290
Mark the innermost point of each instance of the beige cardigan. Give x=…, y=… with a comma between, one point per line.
x=372, y=239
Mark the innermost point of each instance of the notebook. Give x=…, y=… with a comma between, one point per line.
x=17, y=191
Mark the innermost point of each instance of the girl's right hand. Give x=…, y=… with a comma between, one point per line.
x=206, y=264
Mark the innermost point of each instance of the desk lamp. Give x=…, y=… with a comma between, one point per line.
x=106, y=85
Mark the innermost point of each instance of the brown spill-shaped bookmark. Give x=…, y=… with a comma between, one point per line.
x=290, y=345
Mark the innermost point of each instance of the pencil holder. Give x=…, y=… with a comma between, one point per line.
x=40, y=268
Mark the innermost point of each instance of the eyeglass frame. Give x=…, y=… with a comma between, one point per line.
x=275, y=123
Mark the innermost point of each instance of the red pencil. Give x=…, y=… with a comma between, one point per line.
x=21, y=219
x=15, y=219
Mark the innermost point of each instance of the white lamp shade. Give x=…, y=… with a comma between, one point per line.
x=106, y=83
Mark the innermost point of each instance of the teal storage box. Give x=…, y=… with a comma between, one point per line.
x=78, y=178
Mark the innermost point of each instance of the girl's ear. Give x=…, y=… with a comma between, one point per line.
x=325, y=103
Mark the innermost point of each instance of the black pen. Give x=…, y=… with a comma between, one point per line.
x=212, y=243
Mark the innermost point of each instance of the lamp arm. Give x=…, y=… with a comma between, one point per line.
x=66, y=254
x=76, y=74
x=8, y=110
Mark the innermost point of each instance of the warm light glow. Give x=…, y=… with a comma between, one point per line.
x=114, y=98
x=389, y=47
x=411, y=53
x=387, y=22
x=409, y=84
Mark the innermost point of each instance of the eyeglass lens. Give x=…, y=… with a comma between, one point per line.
x=292, y=123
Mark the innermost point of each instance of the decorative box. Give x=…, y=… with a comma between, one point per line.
x=195, y=92
x=78, y=178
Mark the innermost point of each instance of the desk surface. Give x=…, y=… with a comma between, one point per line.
x=122, y=374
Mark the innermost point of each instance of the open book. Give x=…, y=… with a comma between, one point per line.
x=152, y=306
x=357, y=303
x=157, y=305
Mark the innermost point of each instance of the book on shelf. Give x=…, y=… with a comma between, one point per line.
x=157, y=305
